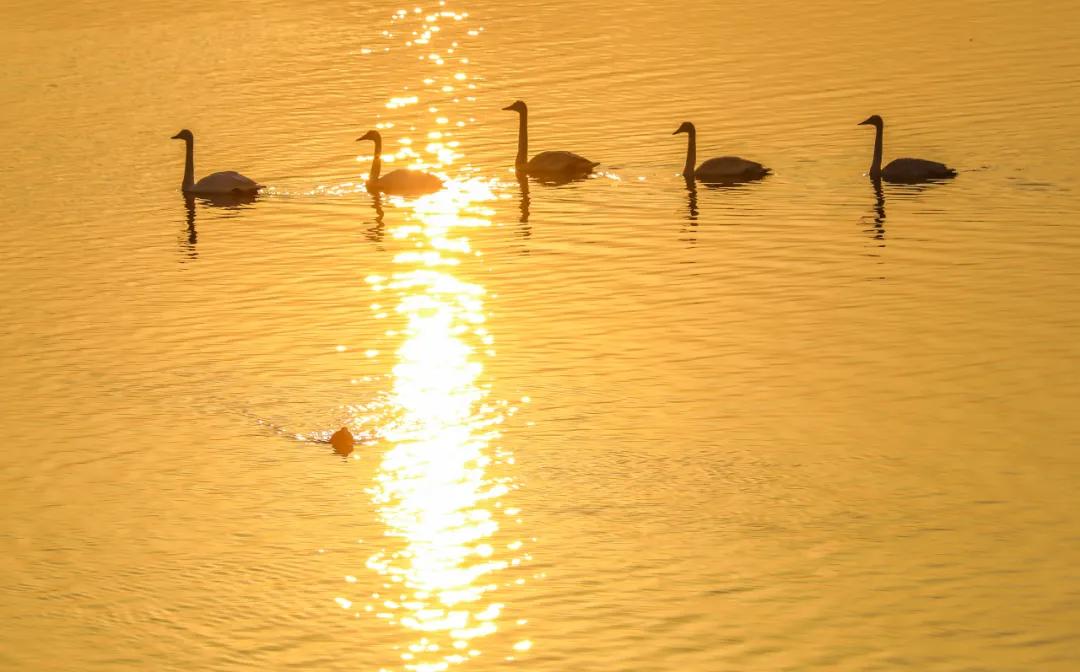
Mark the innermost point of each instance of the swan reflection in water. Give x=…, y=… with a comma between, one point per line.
x=690, y=228
x=878, y=229
x=227, y=202
x=187, y=243
x=449, y=549
x=375, y=232
x=526, y=201
x=900, y=192
x=691, y=200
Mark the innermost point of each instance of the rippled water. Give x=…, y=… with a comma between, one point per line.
x=612, y=425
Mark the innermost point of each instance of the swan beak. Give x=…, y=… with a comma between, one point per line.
x=676, y=132
x=865, y=123
x=509, y=108
x=175, y=137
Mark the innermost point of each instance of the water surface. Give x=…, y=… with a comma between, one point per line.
x=612, y=425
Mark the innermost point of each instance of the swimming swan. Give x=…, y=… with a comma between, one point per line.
x=225, y=182
x=902, y=170
x=566, y=165
x=400, y=182
x=721, y=169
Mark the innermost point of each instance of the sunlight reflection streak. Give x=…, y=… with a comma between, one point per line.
x=436, y=490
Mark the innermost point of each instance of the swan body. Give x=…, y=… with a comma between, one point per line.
x=915, y=170
x=224, y=182
x=722, y=169
x=407, y=182
x=908, y=171
x=728, y=168
x=401, y=182
x=560, y=163
x=555, y=165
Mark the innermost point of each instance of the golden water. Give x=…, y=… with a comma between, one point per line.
x=612, y=425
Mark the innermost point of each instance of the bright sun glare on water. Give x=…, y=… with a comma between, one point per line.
x=814, y=422
x=435, y=492
x=434, y=37
x=440, y=487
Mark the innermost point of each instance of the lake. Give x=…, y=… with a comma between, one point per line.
x=801, y=423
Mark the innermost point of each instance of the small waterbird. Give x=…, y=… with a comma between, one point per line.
x=342, y=441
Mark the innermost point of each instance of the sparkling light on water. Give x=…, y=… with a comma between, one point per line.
x=449, y=555
x=441, y=482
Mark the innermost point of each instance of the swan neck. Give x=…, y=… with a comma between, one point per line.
x=691, y=153
x=189, y=166
x=875, y=166
x=376, y=162
x=523, y=140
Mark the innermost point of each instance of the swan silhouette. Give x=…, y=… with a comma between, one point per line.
x=720, y=170
x=545, y=165
x=400, y=182
x=225, y=182
x=902, y=170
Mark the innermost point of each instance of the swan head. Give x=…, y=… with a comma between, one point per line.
x=374, y=136
x=517, y=106
x=184, y=135
x=685, y=127
x=872, y=120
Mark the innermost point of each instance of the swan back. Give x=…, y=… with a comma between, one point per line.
x=916, y=170
x=729, y=169
x=404, y=182
x=565, y=164
x=225, y=182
